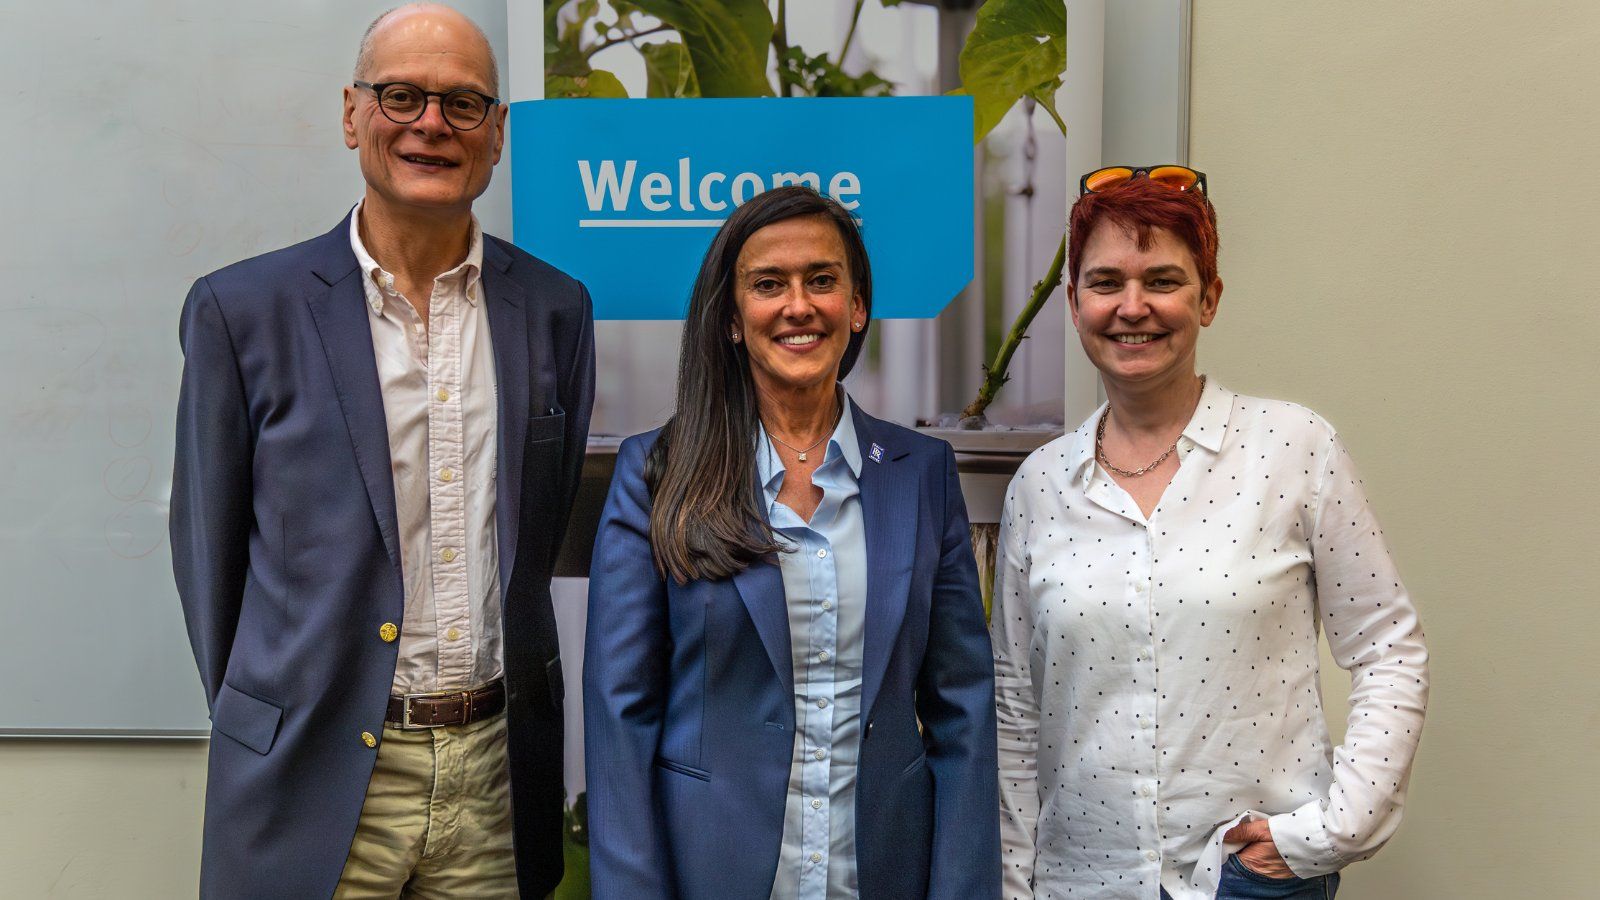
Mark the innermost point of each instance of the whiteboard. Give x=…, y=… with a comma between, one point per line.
x=150, y=143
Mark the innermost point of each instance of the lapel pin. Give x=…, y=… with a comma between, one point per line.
x=877, y=454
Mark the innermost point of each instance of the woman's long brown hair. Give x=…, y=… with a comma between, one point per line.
x=706, y=516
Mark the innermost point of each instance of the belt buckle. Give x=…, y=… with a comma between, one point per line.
x=405, y=712
x=405, y=709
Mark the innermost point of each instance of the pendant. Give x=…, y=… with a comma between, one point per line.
x=802, y=457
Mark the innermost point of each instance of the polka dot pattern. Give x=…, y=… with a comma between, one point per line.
x=1155, y=678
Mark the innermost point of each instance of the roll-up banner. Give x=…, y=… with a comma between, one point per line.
x=936, y=123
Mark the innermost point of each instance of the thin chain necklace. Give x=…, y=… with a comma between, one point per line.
x=1100, y=450
x=827, y=434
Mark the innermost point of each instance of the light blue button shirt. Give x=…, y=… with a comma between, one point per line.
x=825, y=587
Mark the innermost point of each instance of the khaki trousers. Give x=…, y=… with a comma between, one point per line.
x=436, y=822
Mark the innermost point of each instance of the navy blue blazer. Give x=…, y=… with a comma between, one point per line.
x=284, y=544
x=689, y=723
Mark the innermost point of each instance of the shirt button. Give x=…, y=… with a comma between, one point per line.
x=1144, y=656
x=822, y=656
x=818, y=753
x=1151, y=855
x=822, y=703
x=388, y=632
x=443, y=395
x=816, y=804
x=368, y=739
x=447, y=475
x=416, y=327
x=816, y=857
x=822, y=554
x=826, y=605
x=448, y=554
x=1145, y=791
x=453, y=634
x=1145, y=723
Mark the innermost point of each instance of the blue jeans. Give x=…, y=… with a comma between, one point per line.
x=1239, y=883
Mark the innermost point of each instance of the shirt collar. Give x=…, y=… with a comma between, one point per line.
x=378, y=280
x=1209, y=423
x=1206, y=428
x=842, y=444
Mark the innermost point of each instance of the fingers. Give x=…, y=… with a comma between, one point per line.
x=1248, y=832
x=1263, y=859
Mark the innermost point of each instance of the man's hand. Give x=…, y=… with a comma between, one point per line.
x=1260, y=854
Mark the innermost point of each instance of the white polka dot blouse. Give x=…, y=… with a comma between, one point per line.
x=1158, y=680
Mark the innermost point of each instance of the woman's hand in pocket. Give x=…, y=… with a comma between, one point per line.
x=1260, y=854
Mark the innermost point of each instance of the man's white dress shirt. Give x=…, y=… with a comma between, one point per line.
x=438, y=385
x=1157, y=680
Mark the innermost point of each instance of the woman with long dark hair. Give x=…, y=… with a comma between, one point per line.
x=787, y=678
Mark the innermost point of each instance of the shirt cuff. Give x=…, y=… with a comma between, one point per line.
x=1304, y=843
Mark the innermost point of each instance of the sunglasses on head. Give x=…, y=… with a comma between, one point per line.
x=1179, y=178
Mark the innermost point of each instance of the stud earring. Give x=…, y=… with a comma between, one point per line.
x=737, y=337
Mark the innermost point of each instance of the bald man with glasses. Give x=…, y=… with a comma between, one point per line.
x=380, y=433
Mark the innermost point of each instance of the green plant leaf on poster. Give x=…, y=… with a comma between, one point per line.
x=819, y=76
x=1045, y=95
x=726, y=39
x=563, y=49
x=668, y=71
x=598, y=83
x=1017, y=48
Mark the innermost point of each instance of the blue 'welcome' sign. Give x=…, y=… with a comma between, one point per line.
x=626, y=194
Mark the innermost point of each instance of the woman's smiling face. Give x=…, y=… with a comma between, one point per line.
x=796, y=305
x=1139, y=312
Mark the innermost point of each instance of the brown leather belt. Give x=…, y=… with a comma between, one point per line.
x=447, y=707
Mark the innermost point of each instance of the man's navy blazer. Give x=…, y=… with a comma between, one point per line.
x=286, y=550
x=689, y=721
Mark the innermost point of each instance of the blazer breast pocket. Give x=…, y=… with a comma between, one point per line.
x=547, y=428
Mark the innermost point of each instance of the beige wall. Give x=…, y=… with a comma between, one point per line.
x=100, y=820
x=1410, y=220
x=1409, y=244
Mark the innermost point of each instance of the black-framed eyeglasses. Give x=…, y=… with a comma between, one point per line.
x=403, y=103
x=1179, y=178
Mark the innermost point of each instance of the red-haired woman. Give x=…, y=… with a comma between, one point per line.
x=1165, y=570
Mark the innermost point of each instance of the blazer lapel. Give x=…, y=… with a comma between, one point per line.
x=340, y=315
x=761, y=588
x=505, y=303
x=888, y=503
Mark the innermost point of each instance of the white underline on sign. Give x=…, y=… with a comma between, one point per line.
x=650, y=223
